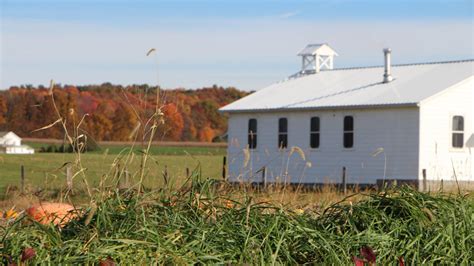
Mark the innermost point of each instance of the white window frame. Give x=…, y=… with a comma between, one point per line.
x=252, y=134
x=457, y=131
x=315, y=132
x=283, y=133
x=344, y=131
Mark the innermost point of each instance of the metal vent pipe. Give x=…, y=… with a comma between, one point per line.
x=387, y=76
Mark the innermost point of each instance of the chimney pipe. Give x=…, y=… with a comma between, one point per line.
x=387, y=76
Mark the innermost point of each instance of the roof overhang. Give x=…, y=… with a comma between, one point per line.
x=324, y=108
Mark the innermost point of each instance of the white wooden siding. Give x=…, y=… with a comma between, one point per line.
x=437, y=155
x=395, y=130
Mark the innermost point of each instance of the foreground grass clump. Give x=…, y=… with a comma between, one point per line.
x=201, y=223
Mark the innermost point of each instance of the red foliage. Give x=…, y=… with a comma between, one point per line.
x=368, y=253
x=88, y=103
x=107, y=262
x=357, y=261
x=3, y=110
x=27, y=254
x=112, y=112
x=401, y=261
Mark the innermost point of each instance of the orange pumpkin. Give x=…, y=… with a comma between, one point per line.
x=50, y=212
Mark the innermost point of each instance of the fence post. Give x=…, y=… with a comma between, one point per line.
x=165, y=175
x=117, y=171
x=187, y=172
x=424, y=179
x=69, y=177
x=344, y=183
x=118, y=176
x=123, y=181
x=127, y=176
x=224, y=164
x=22, y=179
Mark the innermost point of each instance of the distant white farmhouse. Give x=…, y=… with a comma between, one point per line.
x=10, y=143
x=411, y=122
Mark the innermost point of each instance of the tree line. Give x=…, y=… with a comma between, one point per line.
x=116, y=113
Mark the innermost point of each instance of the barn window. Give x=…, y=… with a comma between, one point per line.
x=458, y=132
x=314, y=133
x=282, y=133
x=252, y=134
x=348, y=132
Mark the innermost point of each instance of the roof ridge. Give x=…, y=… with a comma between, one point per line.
x=406, y=64
x=298, y=74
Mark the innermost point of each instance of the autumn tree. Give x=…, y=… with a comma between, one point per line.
x=3, y=111
x=206, y=134
x=173, y=122
x=124, y=123
x=16, y=114
x=113, y=112
x=98, y=126
x=189, y=130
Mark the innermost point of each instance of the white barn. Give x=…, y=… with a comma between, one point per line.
x=413, y=123
x=10, y=143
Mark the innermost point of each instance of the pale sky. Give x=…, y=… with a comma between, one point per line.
x=246, y=44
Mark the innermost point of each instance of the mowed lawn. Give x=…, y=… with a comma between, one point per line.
x=46, y=169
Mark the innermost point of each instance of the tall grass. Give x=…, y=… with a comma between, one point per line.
x=200, y=222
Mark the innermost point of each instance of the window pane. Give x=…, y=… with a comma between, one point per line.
x=458, y=123
x=314, y=140
x=458, y=140
x=348, y=140
x=348, y=123
x=253, y=125
x=252, y=136
x=282, y=125
x=314, y=124
x=252, y=141
x=283, y=141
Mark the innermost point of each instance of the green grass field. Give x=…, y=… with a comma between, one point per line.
x=44, y=169
x=156, y=150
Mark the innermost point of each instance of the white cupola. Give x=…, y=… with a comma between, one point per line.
x=316, y=57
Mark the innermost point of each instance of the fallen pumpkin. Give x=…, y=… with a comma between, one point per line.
x=50, y=212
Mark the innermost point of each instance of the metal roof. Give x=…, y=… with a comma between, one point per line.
x=357, y=88
x=319, y=48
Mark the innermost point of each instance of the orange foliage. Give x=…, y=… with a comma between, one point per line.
x=206, y=134
x=113, y=112
x=173, y=122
